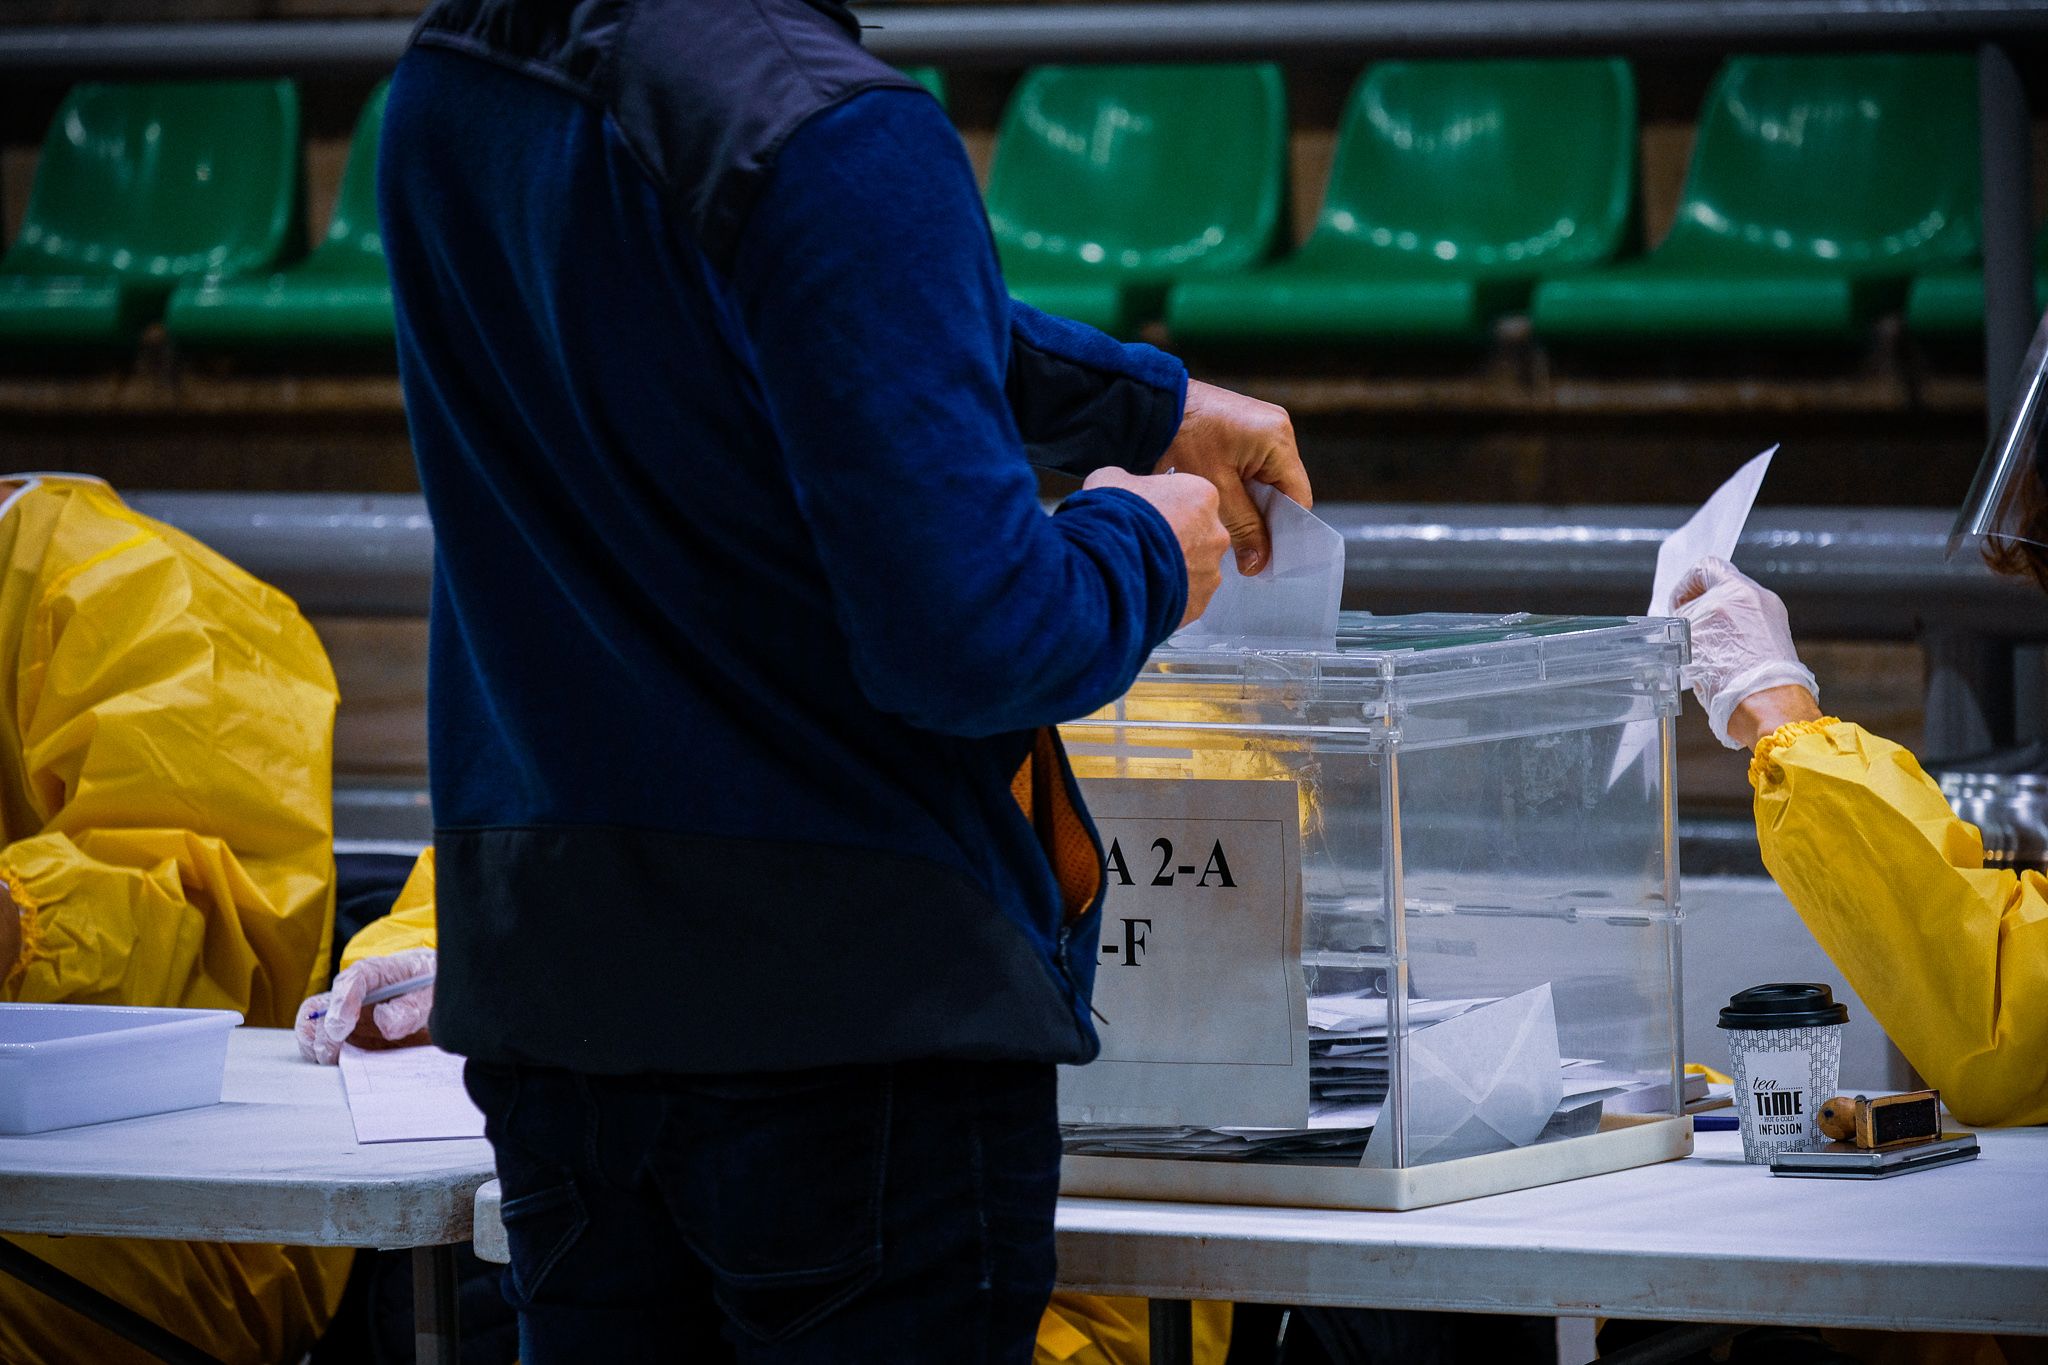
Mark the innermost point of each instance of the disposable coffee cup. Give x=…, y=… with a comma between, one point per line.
x=1785, y=1050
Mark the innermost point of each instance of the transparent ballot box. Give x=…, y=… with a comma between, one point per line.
x=1387, y=923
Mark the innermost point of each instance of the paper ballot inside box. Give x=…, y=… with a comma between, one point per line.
x=1482, y=1081
x=1199, y=998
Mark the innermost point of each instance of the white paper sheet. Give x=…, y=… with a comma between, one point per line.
x=1716, y=529
x=1292, y=602
x=1482, y=1081
x=1368, y=1013
x=1199, y=997
x=407, y=1094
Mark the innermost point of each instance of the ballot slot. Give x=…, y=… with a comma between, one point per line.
x=1454, y=767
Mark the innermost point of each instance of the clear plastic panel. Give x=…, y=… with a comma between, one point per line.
x=1523, y=871
x=1519, y=861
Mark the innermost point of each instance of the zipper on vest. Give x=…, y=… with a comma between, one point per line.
x=1064, y=958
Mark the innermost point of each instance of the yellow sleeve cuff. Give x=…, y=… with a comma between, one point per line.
x=1760, y=767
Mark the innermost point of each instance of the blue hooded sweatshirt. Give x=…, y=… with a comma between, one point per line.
x=748, y=625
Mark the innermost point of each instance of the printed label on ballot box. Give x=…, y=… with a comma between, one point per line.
x=1199, y=996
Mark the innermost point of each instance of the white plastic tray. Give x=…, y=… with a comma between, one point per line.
x=66, y=1065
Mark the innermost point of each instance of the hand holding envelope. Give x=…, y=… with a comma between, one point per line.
x=1292, y=602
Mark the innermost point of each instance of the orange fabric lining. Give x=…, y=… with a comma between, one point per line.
x=1040, y=791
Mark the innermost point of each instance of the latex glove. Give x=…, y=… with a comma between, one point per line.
x=326, y=1020
x=1741, y=641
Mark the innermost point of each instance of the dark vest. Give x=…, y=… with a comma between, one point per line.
x=705, y=91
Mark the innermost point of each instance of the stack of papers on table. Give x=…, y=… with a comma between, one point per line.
x=1347, y=1051
x=1480, y=1093
x=1315, y=1145
x=407, y=1094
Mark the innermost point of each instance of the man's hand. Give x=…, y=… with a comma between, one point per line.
x=1231, y=441
x=1189, y=505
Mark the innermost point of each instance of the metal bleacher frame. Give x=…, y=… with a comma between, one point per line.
x=1846, y=574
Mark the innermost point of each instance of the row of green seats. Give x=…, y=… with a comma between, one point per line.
x=1819, y=187
x=180, y=200
x=1460, y=191
x=1951, y=302
x=340, y=294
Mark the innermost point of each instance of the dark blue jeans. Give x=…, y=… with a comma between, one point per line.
x=889, y=1213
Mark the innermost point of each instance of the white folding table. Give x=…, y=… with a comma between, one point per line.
x=1962, y=1248
x=276, y=1161
x=1707, y=1239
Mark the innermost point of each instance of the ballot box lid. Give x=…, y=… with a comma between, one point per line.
x=1431, y=655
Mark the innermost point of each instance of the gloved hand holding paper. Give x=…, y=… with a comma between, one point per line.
x=1292, y=602
x=1715, y=530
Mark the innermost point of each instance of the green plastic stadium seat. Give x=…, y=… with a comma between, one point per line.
x=1946, y=303
x=1455, y=184
x=340, y=295
x=139, y=188
x=931, y=78
x=1111, y=183
x=1817, y=186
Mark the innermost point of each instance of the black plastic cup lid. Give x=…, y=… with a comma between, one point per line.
x=1784, y=1004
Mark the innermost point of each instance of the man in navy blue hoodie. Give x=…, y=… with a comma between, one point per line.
x=767, y=900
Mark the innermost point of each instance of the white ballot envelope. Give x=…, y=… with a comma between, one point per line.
x=1290, y=603
x=1716, y=529
x=1482, y=1081
x=407, y=1094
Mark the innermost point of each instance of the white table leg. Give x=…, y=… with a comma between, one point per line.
x=436, y=1325
x=1575, y=1343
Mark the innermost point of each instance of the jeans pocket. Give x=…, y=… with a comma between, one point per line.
x=540, y=1228
x=776, y=1307
x=777, y=1185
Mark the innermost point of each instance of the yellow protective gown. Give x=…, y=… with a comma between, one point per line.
x=1091, y=1329
x=1077, y=1329
x=410, y=923
x=1951, y=956
x=166, y=832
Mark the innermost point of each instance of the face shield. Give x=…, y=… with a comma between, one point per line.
x=2007, y=507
